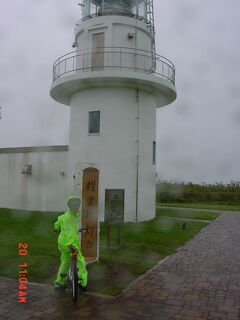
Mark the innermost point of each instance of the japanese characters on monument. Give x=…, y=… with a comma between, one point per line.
x=89, y=240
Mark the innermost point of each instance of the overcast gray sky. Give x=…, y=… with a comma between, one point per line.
x=198, y=136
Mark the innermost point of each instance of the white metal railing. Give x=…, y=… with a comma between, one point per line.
x=114, y=58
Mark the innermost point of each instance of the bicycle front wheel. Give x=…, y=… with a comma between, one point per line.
x=74, y=281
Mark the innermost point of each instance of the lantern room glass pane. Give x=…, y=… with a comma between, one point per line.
x=119, y=7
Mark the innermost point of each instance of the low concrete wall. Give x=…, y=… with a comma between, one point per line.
x=45, y=189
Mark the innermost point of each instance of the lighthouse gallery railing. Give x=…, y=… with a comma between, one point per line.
x=114, y=59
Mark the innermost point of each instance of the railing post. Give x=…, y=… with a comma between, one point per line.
x=83, y=62
x=107, y=62
x=120, y=58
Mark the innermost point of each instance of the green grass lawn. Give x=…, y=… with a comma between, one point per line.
x=200, y=215
x=142, y=246
x=227, y=207
x=35, y=229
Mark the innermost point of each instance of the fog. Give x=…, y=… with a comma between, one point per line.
x=197, y=136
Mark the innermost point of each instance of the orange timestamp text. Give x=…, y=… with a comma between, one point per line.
x=22, y=273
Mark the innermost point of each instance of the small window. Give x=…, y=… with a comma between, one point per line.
x=94, y=122
x=154, y=152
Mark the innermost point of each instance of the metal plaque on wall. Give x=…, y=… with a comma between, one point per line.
x=114, y=206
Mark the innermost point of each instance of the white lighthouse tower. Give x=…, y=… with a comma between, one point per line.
x=113, y=83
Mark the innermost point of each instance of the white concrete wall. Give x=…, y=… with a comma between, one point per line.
x=44, y=190
x=115, y=29
x=114, y=151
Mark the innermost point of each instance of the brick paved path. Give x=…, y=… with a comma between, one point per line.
x=200, y=281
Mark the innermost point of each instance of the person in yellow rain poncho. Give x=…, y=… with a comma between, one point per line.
x=68, y=239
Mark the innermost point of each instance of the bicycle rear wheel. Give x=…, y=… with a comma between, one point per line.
x=74, y=281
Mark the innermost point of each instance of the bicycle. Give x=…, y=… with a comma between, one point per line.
x=73, y=271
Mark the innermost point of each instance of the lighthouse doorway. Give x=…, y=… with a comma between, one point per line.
x=98, y=40
x=89, y=239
